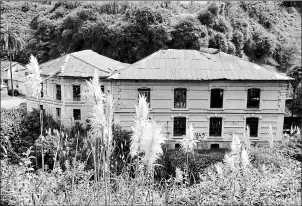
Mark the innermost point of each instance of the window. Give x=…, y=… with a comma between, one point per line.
x=146, y=93
x=180, y=98
x=252, y=122
x=42, y=109
x=77, y=114
x=58, y=113
x=216, y=98
x=253, y=98
x=58, y=92
x=103, y=88
x=179, y=126
x=42, y=94
x=215, y=126
x=76, y=93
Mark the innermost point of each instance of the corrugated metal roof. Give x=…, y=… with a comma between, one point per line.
x=175, y=64
x=81, y=64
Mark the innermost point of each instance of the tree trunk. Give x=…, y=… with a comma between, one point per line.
x=11, y=73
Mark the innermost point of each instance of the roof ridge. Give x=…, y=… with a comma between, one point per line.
x=72, y=54
x=130, y=65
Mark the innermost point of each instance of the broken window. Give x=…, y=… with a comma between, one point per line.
x=180, y=98
x=179, y=126
x=77, y=114
x=146, y=93
x=58, y=92
x=252, y=122
x=76, y=93
x=216, y=98
x=215, y=126
x=253, y=98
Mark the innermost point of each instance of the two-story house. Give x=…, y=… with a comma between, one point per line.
x=64, y=82
x=218, y=93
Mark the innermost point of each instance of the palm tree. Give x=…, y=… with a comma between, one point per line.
x=12, y=43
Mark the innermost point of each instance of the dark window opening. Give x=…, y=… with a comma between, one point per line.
x=177, y=146
x=77, y=114
x=42, y=109
x=58, y=94
x=58, y=112
x=253, y=98
x=216, y=98
x=214, y=146
x=179, y=126
x=252, y=122
x=76, y=93
x=146, y=93
x=180, y=98
x=42, y=94
x=103, y=88
x=215, y=126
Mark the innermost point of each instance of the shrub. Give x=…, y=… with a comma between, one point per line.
x=206, y=18
x=231, y=48
x=219, y=42
x=222, y=25
x=190, y=34
x=198, y=162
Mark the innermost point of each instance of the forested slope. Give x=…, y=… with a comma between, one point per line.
x=265, y=32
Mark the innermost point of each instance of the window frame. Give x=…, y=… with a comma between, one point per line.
x=148, y=98
x=248, y=102
x=59, y=93
x=177, y=133
x=80, y=114
x=185, y=98
x=246, y=123
x=76, y=98
x=221, y=99
x=210, y=128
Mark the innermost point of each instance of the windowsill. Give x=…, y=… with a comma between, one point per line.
x=180, y=109
x=215, y=137
x=253, y=109
x=216, y=109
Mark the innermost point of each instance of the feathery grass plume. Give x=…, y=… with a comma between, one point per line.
x=34, y=79
x=245, y=158
x=178, y=175
x=141, y=124
x=219, y=170
x=229, y=160
x=109, y=108
x=292, y=130
x=247, y=137
x=188, y=143
x=94, y=93
x=235, y=145
x=271, y=136
x=151, y=144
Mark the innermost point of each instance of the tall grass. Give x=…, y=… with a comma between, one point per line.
x=247, y=175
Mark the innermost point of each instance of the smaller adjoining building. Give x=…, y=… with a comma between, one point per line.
x=65, y=82
x=18, y=76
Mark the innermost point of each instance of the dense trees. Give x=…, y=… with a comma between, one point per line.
x=129, y=31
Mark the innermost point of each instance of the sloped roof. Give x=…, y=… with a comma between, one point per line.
x=172, y=64
x=4, y=65
x=80, y=64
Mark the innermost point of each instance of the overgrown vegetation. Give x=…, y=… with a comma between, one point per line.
x=264, y=32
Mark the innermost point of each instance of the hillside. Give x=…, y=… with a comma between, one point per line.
x=264, y=32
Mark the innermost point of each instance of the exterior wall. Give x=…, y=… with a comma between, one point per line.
x=198, y=111
x=19, y=85
x=50, y=103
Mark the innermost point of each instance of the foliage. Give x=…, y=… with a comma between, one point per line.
x=190, y=34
